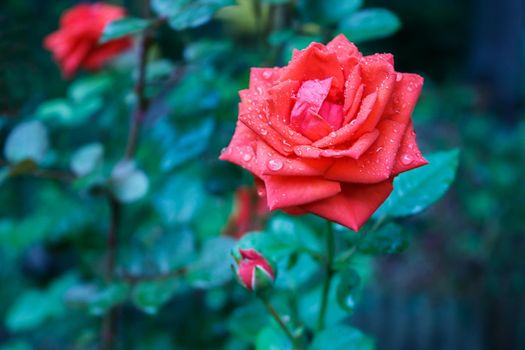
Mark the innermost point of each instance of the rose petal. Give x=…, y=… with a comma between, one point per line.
x=253, y=111
x=346, y=133
x=286, y=191
x=242, y=149
x=315, y=62
x=374, y=165
x=378, y=75
x=264, y=78
x=280, y=105
x=354, y=205
x=409, y=156
x=332, y=113
x=272, y=163
x=352, y=86
x=354, y=151
x=305, y=117
x=101, y=54
x=345, y=51
x=73, y=60
x=404, y=97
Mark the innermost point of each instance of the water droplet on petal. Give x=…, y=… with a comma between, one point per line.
x=406, y=159
x=247, y=157
x=275, y=164
x=399, y=76
x=267, y=74
x=264, y=132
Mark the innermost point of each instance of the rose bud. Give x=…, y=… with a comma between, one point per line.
x=76, y=44
x=254, y=271
x=327, y=133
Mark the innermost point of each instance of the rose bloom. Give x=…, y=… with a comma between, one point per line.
x=76, y=44
x=327, y=133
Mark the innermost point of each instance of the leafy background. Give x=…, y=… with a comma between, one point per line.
x=459, y=283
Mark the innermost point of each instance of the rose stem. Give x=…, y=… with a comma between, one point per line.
x=329, y=272
x=142, y=101
x=109, y=321
x=275, y=315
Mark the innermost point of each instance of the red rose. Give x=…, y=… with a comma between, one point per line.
x=328, y=133
x=254, y=271
x=76, y=43
x=249, y=213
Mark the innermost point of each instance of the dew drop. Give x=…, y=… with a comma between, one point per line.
x=410, y=88
x=399, y=76
x=264, y=132
x=267, y=74
x=247, y=157
x=406, y=159
x=275, y=164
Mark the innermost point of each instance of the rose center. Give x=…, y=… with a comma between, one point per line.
x=313, y=115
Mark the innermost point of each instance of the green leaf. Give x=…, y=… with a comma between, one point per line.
x=213, y=267
x=87, y=158
x=89, y=87
x=183, y=14
x=108, y=297
x=417, y=189
x=247, y=320
x=334, y=11
x=181, y=198
x=57, y=109
x=284, y=235
x=275, y=2
x=272, y=338
x=174, y=250
x=329, y=11
x=28, y=140
x=16, y=345
x=64, y=112
x=388, y=239
x=342, y=338
x=192, y=140
x=128, y=183
x=123, y=27
x=369, y=24
x=346, y=290
x=34, y=307
x=149, y=296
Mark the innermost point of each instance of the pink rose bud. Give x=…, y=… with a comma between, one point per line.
x=254, y=271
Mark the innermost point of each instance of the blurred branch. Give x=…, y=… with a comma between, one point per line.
x=142, y=101
x=133, y=279
x=110, y=319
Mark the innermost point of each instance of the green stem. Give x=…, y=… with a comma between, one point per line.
x=295, y=342
x=329, y=272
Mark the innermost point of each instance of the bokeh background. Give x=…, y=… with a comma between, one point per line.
x=461, y=283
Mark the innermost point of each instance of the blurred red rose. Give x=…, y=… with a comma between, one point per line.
x=76, y=44
x=249, y=213
x=328, y=133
